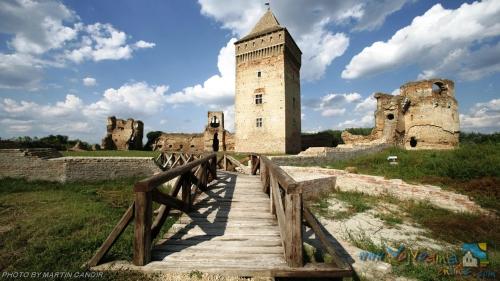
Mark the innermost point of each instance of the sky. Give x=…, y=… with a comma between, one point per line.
x=67, y=65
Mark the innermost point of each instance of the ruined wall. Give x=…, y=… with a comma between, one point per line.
x=214, y=138
x=432, y=119
x=423, y=116
x=193, y=143
x=123, y=134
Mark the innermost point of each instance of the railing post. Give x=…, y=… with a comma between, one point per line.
x=142, y=228
x=293, y=214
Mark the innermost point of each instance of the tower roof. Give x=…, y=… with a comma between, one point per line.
x=267, y=23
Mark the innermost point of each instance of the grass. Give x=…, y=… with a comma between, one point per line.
x=57, y=227
x=357, y=202
x=472, y=169
x=112, y=153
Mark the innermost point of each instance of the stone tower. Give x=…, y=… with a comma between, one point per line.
x=267, y=100
x=215, y=134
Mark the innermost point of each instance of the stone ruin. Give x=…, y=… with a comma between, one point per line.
x=423, y=116
x=123, y=134
x=213, y=138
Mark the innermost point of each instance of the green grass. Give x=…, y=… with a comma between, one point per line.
x=390, y=219
x=112, y=153
x=472, y=169
x=357, y=202
x=57, y=227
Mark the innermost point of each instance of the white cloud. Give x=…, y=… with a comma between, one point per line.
x=308, y=23
x=483, y=117
x=144, y=45
x=217, y=90
x=330, y=112
x=48, y=34
x=369, y=104
x=89, y=81
x=138, y=99
x=468, y=65
x=20, y=71
x=74, y=117
x=366, y=121
x=438, y=36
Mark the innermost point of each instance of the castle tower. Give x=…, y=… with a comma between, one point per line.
x=214, y=135
x=267, y=100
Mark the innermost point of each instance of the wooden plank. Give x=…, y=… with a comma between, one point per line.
x=221, y=243
x=112, y=237
x=142, y=228
x=322, y=236
x=218, y=248
x=293, y=213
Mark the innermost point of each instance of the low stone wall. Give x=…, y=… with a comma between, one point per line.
x=327, y=155
x=375, y=185
x=23, y=163
x=37, y=165
x=103, y=168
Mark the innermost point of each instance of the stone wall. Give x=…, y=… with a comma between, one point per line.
x=33, y=165
x=315, y=156
x=377, y=186
x=28, y=164
x=123, y=134
x=423, y=116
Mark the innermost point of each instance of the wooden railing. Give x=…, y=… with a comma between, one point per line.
x=169, y=160
x=191, y=176
x=286, y=202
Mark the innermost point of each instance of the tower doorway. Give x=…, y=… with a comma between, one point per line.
x=215, y=143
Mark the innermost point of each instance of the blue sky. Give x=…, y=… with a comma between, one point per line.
x=67, y=65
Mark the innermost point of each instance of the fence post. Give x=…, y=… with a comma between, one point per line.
x=293, y=214
x=142, y=227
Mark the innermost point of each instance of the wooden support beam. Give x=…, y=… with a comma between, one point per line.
x=112, y=237
x=169, y=201
x=142, y=228
x=293, y=213
x=321, y=234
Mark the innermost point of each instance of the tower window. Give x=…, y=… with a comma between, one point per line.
x=293, y=102
x=258, y=99
x=259, y=74
x=258, y=122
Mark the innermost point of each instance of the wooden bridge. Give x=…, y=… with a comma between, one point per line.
x=232, y=223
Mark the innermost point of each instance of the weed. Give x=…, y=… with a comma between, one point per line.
x=390, y=219
x=196, y=274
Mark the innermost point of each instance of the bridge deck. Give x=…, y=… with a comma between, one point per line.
x=230, y=231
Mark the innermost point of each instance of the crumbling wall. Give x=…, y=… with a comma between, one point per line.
x=213, y=138
x=432, y=119
x=123, y=134
x=180, y=142
x=423, y=116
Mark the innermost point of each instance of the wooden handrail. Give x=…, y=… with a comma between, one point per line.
x=191, y=174
x=286, y=205
x=152, y=182
x=289, y=210
x=286, y=182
